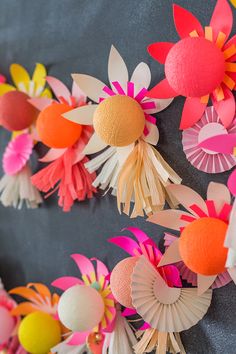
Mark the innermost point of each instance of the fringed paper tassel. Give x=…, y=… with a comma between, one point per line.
x=72, y=180
x=17, y=189
x=143, y=179
x=162, y=342
x=230, y=240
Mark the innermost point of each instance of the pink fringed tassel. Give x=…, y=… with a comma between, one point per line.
x=71, y=179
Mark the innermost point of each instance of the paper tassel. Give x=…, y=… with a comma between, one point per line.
x=17, y=189
x=143, y=178
x=72, y=180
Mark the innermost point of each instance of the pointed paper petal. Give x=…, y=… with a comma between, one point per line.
x=24, y=309
x=78, y=93
x=126, y=243
x=117, y=70
x=232, y=41
x=232, y=273
x=224, y=143
x=24, y=292
x=41, y=289
x=140, y=235
x=186, y=197
x=219, y=193
x=52, y=155
x=185, y=22
x=101, y=268
x=160, y=50
x=222, y=18
x=39, y=76
x=153, y=134
x=225, y=108
x=19, y=74
x=4, y=88
x=141, y=76
x=40, y=102
x=169, y=218
x=162, y=90
x=171, y=254
x=65, y=283
x=78, y=338
x=84, y=264
x=163, y=104
x=192, y=112
x=58, y=88
x=94, y=145
x=232, y=183
x=91, y=86
x=81, y=115
x=205, y=282
x=46, y=93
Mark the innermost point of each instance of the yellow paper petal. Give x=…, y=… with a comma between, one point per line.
x=46, y=93
x=19, y=76
x=39, y=77
x=4, y=88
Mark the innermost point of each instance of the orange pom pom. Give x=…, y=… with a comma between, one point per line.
x=56, y=131
x=16, y=113
x=121, y=281
x=119, y=120
x=201, y=246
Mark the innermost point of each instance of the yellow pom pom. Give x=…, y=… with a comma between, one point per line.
x=119, y=120
x=39, y=332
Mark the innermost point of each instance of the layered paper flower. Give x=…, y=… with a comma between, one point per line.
x=201, y=66
x=124, y=125
x=203, y=229
x=66, y=140
x=96, y=280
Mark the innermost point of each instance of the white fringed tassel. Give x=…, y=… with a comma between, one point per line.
x=17, y=189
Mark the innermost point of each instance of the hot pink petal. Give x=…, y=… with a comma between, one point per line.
x=2, y=79
x=232, y=182
x=78, y=338
x=101, y=268
x=225, y=108
x=222, y=18
x=126, y=243
x=160, y=50
x=17, y=154
x=65, y=283
x=192, y=112
x=162, y=90
x=139, y=234
x=224, y=144
x=84, y=264
x=185, y=22
x=59, y=89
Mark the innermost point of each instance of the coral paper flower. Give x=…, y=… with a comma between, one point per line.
x=123, y=123
x=203, y=229
x=201, y=66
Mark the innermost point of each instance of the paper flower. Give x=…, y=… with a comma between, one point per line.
x=123, y=124
x=201, y=66
x=201, y=158
x=95, y=294
x=66, y=172
x=203, y=229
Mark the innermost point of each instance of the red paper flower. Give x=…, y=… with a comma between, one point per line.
x=201, y=66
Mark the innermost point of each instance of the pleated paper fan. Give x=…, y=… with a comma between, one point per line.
x=202, y=159
x=165, y=309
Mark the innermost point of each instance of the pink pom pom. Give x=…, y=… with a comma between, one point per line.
x=17, y=154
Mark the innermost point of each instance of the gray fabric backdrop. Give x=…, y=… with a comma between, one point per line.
x=75, y=36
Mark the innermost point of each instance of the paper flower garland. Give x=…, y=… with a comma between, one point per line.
x=39, y=330
x=203, y=229
x=203, y=159
x=201, y=66
x=18, y=116
x=66, y=172
x=122, y=120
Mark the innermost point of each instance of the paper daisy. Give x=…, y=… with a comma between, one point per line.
x=203, y=229
x=66, y=173
x=201, y=66
x=87, y=305
x=123, y=123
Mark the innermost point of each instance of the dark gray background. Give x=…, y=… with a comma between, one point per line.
x=75, y=36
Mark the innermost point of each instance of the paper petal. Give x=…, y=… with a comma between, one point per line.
x=52, y=155
x=153, y=134
x=117, y=70
x=205, y=282
x=226, y=108
x=84, y=264
x=186, y=22
x=91, y=86
x=169, y=218
x=46, y=93
x=232, y=273
x=162, y=90
x=171, y=254
x=39, y=77
x=160, y=50
x=65, y=283
x=94, y=145
x=222, y=18
x=40, y=102
x=78, y=93
x=141, y=77
x=81, y=115
x=140, y=235
x=4, y=88
x=126, y=243
x=221, y=143
x=219, y=193
x=101, y=268
x=58, y=88
x=232, y=183
x=192, y=112
x=78, y=338
x=19, y=74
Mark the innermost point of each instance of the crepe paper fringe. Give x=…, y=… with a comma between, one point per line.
x=72, y=180
x=17, y=189
x=163, y=342
x=143, y=179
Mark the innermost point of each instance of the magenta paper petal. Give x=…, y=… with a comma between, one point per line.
x=232, y=183
x=65, y=283
x=2, y=79
x=84, y=264
x=17, y=154
x=101, y=268
x=139, y=234
x=202, y=158
x=126, y=243
x=224, y=144
x=185, y=22
x=78, y=338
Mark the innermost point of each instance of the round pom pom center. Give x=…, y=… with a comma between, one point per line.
x=194, y=67
x=119, y=120
x=201, y=246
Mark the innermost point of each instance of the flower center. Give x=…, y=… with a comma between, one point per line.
x=194, y=67
x=119, y=120
x=201, y=246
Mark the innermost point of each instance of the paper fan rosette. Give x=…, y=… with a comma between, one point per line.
x=167, y=310
x=18, y=116
x=123, y=123
x=203, y=227
x=66, y=172
x=203, y=159
x=200, y=66
x=40, y=329
x=87, y=306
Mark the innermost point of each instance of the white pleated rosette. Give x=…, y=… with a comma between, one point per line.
x=163, y=308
